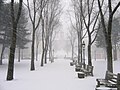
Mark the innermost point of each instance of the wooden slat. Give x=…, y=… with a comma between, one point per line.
x=111, y=80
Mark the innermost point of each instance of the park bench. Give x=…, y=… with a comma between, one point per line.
x=78, y=67
x=111, y=80
x=72, y=63
x=86, y=69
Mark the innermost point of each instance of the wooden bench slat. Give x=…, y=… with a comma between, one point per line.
x=87, y=69
x=111, y=80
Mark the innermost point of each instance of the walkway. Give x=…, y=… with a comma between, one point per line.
x=56, y=76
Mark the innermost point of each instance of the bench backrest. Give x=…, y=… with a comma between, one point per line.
x=111, y=77
x=90, y=68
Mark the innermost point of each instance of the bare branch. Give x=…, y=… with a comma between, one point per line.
x=117, y=6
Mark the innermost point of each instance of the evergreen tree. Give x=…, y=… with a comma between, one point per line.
x=4, y=28
x=1, y=12
x=22, y=33
x=1, y=4
x=6, y=31
x=100, y=40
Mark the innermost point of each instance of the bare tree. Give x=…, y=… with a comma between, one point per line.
x=90, y=19
x=35, y=18
x=72, y=38
x=78, y=26
x=38, y=39
x=54, y=30
x=51, y=15
x=107, y=30
x=43, y=51
x=13, y=42
x=54, y=24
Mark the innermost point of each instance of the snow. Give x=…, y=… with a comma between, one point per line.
x=103, y=88
x=53, y=76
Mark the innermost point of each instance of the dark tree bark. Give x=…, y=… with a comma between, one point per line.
x=72, y=52
x=46, y=50
x=89, y=55
x=35, y=23
x=37, y=45
x=89, y=48
x=79, y=47
x=13, y=42
x=46, y=47
x=43, y=51
x=19, y=54
x=32, y=52
x=107, y=32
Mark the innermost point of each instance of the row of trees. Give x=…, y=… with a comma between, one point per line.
x=44, y=17
x=89, y=15
x=46, y=14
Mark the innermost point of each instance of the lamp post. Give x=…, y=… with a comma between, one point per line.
x=83, y=60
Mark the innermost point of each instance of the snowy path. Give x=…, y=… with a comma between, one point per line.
x=56, y=76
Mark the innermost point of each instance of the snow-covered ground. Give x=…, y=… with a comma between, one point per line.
x=53, y=76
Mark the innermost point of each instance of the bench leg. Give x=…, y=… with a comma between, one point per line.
x=98, y=84
x=92, y=74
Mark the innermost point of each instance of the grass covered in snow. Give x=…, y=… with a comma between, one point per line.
x=53, y=76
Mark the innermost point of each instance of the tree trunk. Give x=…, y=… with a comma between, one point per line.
x=109, y=44
x=109, y=56
x=107, y=32
x=81, y=51
x=50, y=51
x=13, y=39
x=22, y=54
x=89, y=55
x=45, y=56
x=46, y=51
x=50, y=55
x=43, y=50
x=2, y=53
x=32, y=50
x=79, y=47
x=12, y=54
x=72, y=51
x=19, y=54
x=36, y=52
x=42, y=59
x=89, y=50
x=46, y=47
